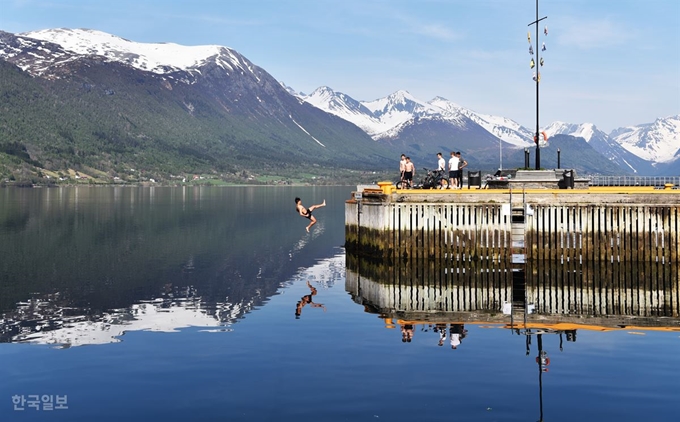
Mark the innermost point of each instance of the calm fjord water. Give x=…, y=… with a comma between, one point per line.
x=180, y=304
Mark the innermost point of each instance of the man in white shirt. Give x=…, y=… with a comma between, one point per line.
x=453, y=171
x=441, y=164
x=441, y=168
x=402, y=167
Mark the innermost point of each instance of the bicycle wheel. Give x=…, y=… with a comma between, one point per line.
x=429, y=183
x=400, y=184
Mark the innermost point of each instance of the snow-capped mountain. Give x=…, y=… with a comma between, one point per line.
x=600, y=141
x=233, y=85
x=378, y=118
x=160, y=58
x=344, y=107
x=503, y=128
x=586, y=131
x=636, y=150
x=412, y=126
x=398, y=108
x=209, y=100
x=657, y=142
x=386, y=117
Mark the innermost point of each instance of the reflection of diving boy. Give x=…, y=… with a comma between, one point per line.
x=307, y=212
x=307, y=299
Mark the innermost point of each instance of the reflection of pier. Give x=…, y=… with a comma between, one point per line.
x=611, y=295
x=547, y=303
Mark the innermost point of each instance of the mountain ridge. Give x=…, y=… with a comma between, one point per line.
x=210, y=119
x=210, y=108
x=634, y=150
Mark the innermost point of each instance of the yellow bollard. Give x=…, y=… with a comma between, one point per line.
x=387, y=187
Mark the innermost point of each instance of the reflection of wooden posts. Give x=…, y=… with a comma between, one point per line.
x=428, y=290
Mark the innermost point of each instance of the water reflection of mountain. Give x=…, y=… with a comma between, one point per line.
x=44, y=321
x=47, y=320
x=610, y=296
x=86, y=256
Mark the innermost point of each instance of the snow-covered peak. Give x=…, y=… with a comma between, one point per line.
x=445, y=104
x=153, y=57
x=583, y=130
x=397, y=102
x=501, y=127
x=320, y=95
x=345, y=107
x=658, y=141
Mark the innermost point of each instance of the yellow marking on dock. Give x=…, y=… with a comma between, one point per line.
x=560, y=326
x=595, y=190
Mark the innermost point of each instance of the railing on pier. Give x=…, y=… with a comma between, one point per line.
x=656, y=181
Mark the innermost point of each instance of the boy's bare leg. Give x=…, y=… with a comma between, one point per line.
x=313, y=207
x=311, y=223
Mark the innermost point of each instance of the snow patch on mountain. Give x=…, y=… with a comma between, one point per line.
x=396, y=109
x=344, y=107
x=503, y=128
x=584, y=130
x=160, y=58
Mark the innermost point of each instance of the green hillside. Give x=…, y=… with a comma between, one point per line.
x=111, y=122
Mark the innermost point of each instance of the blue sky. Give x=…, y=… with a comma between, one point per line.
x=613, y=63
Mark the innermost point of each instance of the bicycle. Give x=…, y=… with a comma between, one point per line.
x=434, y=179
x=403, y=184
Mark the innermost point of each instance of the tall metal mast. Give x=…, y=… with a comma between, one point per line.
x=538, y=79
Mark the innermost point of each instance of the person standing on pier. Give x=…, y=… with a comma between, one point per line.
x=441, y=164
x=461, y=164
x=409, y=172
x=453, y=171
x=441, y=168
x=402, y=168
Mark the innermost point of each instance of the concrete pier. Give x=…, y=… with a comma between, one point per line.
x=596, y=224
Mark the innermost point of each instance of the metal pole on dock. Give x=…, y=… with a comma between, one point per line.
x=526, y=158
x=538, y=79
